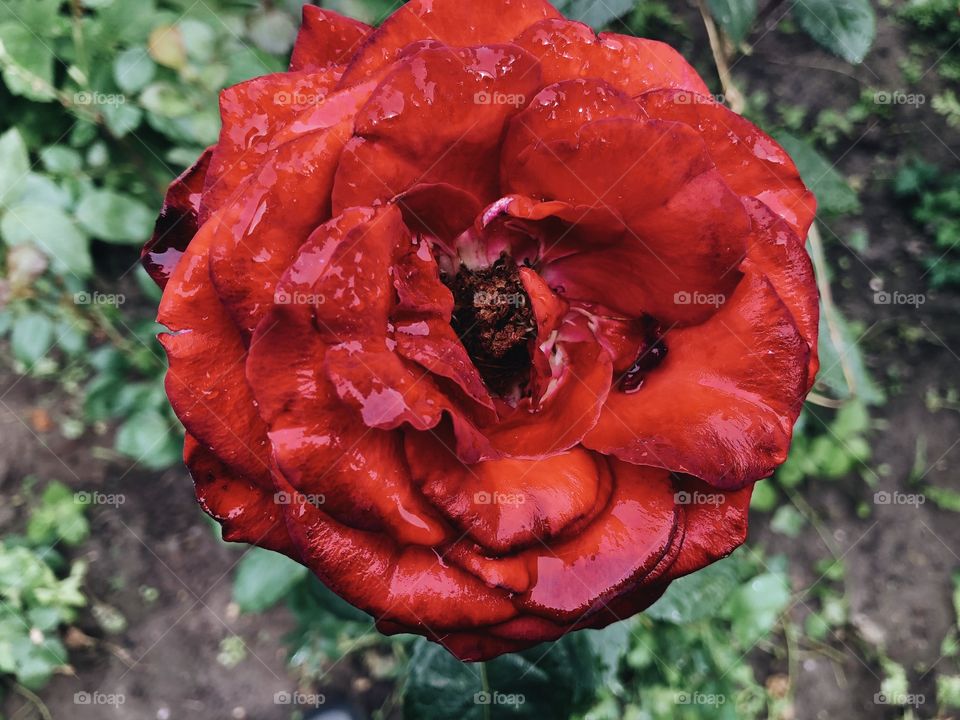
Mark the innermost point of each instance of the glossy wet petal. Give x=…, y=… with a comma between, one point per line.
x=569, y=50
x=326, y=39
x=178, y=222
x=750, y=161
x=451, y=22
x=734, y=386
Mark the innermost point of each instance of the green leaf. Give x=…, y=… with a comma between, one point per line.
x=32, y=337
x=133, y=69
x=115, y=218
x=834, y=195
x=60, y=160
x=595, y=14
x=548, y=681
x=273, y=32
x=264, y=578
x=27, y=62
x=58, y=517
x=735, y=16
x=51, y=230
x=764, y=497
x=14, y=164
x=845, y=27
x=841, y=355
x=696, y=596
x=788, y=521
x=755, y=606
x=148, y=438
x=122, y=118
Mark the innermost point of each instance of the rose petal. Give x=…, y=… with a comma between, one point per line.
x=178, y=221
x=408, y=585
x=323, y=448
x=640, y=528
x=781, y=255
x=452, y=22
x=540, y=427
x=686, y=231
x=214, y=404
x=326, y=38
x=276, y=209
x=750, y=161
x=509, y=505
x=716, y=524
x=254, y=117
x=723, y=403
x=569, y=50
x=246, y=510
x=464, y=95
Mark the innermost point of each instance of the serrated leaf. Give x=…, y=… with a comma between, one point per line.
x=845, y=27
x=116, y=218
x=834, y=195
x=735, y=16
x=263, y=578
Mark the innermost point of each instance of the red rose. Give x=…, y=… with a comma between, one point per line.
x=491, y=322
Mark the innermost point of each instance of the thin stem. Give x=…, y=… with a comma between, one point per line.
x=829, y=310
x=34, y=700
x=79, y=42
x=731, y=93
x=485, y=688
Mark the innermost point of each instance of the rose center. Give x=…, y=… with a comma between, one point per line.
x=494, y=321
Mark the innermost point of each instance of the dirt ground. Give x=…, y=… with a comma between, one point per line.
x=898, y=560
x=165, y=663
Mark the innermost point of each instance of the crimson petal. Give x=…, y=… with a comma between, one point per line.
x=722, y=405
x=326, y=39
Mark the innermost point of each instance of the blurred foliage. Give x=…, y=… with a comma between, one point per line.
x=932, y=198
x=938, y=23
x=105, y=101
x=39, y=591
